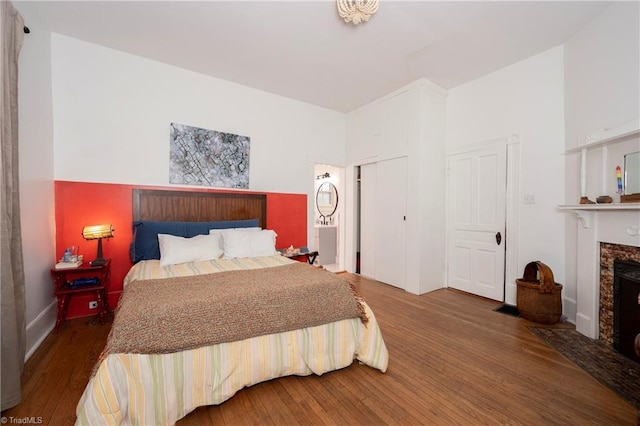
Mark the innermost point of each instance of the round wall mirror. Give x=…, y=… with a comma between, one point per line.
x=327, y=199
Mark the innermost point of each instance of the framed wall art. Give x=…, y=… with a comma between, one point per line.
x=208, y=158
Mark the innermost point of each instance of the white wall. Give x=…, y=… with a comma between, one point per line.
x=602, y=69
x=602, y=75
x=602, y=94
x=36, y=178
x=113, y=111
x=524, y=99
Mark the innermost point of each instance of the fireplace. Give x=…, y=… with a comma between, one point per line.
x=604, y=234
x=626, y=308
x=610, y=255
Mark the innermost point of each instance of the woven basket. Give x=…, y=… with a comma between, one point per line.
x=539, y=300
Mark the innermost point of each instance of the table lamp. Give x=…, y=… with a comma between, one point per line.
x=97, y=232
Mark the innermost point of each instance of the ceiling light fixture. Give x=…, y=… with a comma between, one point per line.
x=357, y=11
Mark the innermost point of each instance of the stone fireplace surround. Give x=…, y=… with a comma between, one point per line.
x=608, y=253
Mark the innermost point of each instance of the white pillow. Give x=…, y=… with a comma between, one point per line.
x=249, y=244
x=174, y=250
x=218, y=233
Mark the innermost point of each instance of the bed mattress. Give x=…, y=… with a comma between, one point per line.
x=161, y=388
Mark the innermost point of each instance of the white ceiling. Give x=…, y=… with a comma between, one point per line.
x=303, y=50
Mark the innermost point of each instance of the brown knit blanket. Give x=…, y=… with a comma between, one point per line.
x=173, y=314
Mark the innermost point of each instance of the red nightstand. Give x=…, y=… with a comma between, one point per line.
x=64, y=289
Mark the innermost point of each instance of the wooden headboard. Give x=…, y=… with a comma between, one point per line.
x=193, y=206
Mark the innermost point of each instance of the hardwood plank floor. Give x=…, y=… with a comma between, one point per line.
x=452, y=361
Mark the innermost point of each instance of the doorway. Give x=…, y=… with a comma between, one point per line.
x=328, y=208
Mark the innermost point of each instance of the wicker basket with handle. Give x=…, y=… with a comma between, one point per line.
x=539, y=299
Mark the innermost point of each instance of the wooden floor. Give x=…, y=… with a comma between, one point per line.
x=452, y=361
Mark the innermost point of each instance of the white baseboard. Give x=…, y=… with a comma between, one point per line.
x=39, y=329
x=586, y=325
x=510, y=294
x=569, y=309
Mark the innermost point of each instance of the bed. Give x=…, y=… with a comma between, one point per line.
x=193, y=333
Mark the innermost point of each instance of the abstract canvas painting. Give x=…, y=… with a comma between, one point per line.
x=208, y=158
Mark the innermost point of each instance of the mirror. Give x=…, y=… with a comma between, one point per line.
x=632, y=173
x=326, y=201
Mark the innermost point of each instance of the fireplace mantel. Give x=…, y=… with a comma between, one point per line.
x=601, y=207
x=615, y=224
x=582, y=210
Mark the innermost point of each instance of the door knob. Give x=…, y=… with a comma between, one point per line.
x=498, y=238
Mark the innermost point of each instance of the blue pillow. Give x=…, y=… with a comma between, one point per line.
x=145, y=244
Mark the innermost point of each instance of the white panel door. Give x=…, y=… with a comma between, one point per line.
x=476, y=217
x=391, y=222
x=368, y=207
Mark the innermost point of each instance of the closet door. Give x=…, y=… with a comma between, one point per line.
x=391, y=213
x=368, y=208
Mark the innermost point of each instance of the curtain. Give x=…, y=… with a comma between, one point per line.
x=13, y=323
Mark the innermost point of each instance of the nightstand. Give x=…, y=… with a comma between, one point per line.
x=300, y=254
x=66, y=284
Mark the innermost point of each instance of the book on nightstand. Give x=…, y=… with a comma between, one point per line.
x=68, y=265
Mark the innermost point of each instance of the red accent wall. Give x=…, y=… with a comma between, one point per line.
x=80, y=204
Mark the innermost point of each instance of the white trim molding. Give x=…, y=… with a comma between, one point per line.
x=39, y=328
